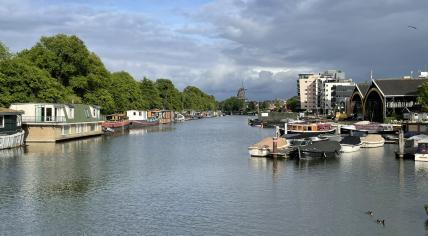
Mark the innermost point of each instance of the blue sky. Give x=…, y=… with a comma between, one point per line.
x=218, y=44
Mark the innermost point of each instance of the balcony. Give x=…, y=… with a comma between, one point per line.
x=43, y=119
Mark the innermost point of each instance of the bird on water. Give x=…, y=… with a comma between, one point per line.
x=370, y=213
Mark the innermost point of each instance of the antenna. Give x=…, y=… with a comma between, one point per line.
x=371, y=74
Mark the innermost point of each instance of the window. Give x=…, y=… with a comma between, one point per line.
x=139, y=113
x=1, y=121
x=135, y=113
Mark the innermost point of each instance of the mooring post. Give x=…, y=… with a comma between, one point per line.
x=338, y=129
x=401, y=143
x=274, y=146
x=285, y=128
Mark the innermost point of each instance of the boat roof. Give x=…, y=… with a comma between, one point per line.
x=353, y=140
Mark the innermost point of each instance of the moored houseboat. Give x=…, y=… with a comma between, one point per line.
x=310, y=128
x=116, y=122
x=11, y=133
x=52, y=122
x=139, y=119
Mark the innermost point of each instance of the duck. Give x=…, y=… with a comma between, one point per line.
x=370, y=213
x=380, y=221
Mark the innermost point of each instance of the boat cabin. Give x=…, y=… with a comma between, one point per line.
x=309, y=127
x=10, y=121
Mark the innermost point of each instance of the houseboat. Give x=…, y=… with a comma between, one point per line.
x=11, y=133
x=164, y=116
x=138, y=119
x=311, y=129
x=116, y=122
x=52, y=122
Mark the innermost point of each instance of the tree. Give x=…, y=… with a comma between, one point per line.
x=150, y=94
x=170, y=96
x=126, y=92
x=232, y=104
x=423, y=96
x=4, y=52
x=293, y=104
x=20, y=81
x=195, y=99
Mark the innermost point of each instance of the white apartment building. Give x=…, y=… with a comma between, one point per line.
x=315, y=90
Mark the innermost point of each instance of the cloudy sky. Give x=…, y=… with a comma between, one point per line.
x=219, y=44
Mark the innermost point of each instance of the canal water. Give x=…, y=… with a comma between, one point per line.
x=196, y=178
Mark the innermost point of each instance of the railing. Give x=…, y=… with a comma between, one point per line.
x=43, y=119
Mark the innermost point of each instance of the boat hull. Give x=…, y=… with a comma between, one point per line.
x=372, y=144
x=346, y=148
x=135, y=124
x=12, y=140
x=307, y=155
x=421, y=157
x=258, y=152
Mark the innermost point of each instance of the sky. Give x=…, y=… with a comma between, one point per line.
x=219, y=45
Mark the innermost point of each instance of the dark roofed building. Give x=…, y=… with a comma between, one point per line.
x=389, y=97
x=357, y=98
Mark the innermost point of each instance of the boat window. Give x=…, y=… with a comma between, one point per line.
x=309, y=128
x=423, y=148
x=1, y=121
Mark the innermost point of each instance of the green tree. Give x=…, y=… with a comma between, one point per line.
x=62, y=56
x=4, y=52
x=232, y=104
x=150, y=94
x=293, y=104
x=195, y=99
x=126, y=92
x=20, y=81
x=170, y=96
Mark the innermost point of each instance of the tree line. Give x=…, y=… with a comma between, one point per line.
x=61, y=69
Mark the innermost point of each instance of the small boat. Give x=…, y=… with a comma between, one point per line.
x=350, y=144
x=310, y=128
x=265, y=147
x=422, y=151
x=372, y=141
x=321, y=149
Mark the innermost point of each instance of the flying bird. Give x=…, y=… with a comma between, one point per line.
x=411, y=27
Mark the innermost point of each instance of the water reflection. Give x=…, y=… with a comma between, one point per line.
x=266, y=164
x=10, y=153
x=150, y=129
x=421, y=168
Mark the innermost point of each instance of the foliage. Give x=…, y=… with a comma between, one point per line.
x=22, y=82
x=423, y=96
x=293, y=104
x=61, y=69
x=232, y=104
x=4, y=52
x=150, y=94
x=171, y=98
x=195, y=99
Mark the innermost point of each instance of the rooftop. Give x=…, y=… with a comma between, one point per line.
x=399, y=87
x=7, y=111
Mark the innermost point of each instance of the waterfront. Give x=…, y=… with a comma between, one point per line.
x=196, y=178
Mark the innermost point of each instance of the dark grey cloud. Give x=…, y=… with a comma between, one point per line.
x=224, y=43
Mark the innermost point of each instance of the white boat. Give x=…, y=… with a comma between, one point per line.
x=422, y=151
x=372, y=141
x=12, y=140
x=350, y=144
x=265, y=147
